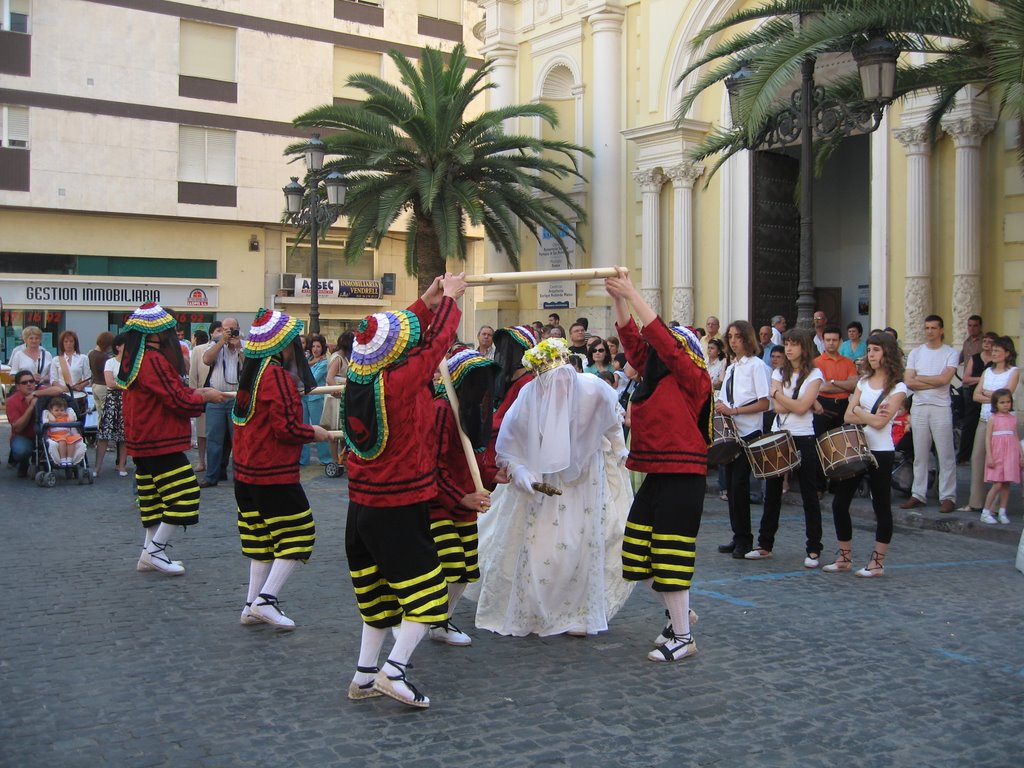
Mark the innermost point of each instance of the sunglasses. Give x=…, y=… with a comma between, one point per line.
x=23, y=382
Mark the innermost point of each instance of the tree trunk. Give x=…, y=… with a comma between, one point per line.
x=429, y=261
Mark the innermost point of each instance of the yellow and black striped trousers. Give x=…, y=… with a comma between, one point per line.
x=274, y=521
x=456, y=543
x=394, y=567
x=661, y=531
x=168, y=490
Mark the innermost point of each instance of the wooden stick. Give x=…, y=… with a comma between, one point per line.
x=326, y=390
x=467, y=447
x=544, y=276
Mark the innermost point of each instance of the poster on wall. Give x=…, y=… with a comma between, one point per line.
x=863, y=300
x=560, y=294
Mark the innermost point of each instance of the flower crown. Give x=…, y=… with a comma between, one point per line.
x=549, y=354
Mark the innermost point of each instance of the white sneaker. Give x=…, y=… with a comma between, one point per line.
x=450, y=634
x=811, y=562
x=247, y=616
x=155, y=559
x=1003, y=518
x=987, y=518
x=264, y=608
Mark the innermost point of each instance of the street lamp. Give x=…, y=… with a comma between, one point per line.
x=305, y=209
x=809, y=115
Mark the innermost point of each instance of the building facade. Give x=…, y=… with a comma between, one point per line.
x=141, y=155
x=902, y=227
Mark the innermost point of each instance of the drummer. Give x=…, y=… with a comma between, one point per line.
x=743, y=397
x=877, y=398
x=840, y=379
x=794, y=391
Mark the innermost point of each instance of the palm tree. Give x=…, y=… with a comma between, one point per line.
x=416, y=152
x=962, y=47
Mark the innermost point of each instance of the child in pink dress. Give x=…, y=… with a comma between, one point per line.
x=1005, y=455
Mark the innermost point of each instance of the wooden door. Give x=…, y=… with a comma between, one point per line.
x=775, y=238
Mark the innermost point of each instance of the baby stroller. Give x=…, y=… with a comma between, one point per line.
x=47, y=462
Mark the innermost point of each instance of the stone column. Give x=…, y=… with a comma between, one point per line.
x=683, y=176
x=968, y=132
x=503, y=75
x=917, y=299
x=605, y=175
x=650, y=183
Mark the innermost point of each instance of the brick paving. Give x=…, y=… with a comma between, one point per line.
x=103, y=666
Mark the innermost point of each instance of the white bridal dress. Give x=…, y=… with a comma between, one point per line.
x=552, y=564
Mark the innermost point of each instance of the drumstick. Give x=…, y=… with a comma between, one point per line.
x=467, y=447
x=326, y=390
x=547, y=490
x=544, y=276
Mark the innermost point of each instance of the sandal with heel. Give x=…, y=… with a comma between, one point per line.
x=668, y=633
x=385, y=683
x=678, y=647
x=844, y=562
x=874, y=568
x=366, y=690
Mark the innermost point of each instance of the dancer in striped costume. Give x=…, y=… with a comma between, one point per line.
x=671, y=429
x=387, y=415
x=275, y=522
x=158, y=409
x=453, y=512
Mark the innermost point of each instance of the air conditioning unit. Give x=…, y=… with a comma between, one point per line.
x=288, y=280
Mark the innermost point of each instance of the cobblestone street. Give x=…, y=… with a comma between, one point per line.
x=101, y=665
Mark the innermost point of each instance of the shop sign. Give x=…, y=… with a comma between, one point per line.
x=84, y=293
x=342, y=289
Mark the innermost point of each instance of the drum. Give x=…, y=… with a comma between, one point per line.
x=844, y=452
x=727, y=444
x=773, y=454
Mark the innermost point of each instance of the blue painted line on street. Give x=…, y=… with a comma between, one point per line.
x=724, y=598
x=805, y=572
x=951, y=564
x=1004, y=669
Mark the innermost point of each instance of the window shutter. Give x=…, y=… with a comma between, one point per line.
x=207, y=51
x=450, y=10
x=348, y=62
x=17, y=127
x=220, y=157
x=191, y=154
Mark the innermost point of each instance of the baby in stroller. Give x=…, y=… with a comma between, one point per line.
x=64, y=442
x=61, y=443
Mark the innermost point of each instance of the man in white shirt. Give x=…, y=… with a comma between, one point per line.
x=711, y=326
x=778, y=328
x=930, y=368
x=224, y=358
x=820, y=321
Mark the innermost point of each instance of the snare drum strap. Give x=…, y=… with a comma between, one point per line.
x=880, y=400
x=784, y=417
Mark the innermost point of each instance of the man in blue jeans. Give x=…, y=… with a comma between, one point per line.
x=224, y=357
x=21, y=414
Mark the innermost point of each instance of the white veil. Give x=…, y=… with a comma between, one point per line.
x=556, y=425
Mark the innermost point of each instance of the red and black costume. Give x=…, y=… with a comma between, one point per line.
x=671, y=414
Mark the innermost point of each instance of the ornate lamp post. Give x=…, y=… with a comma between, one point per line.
x=809, y=115
x=307, y=210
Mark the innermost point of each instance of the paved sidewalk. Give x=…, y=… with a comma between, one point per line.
x=104, y=666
